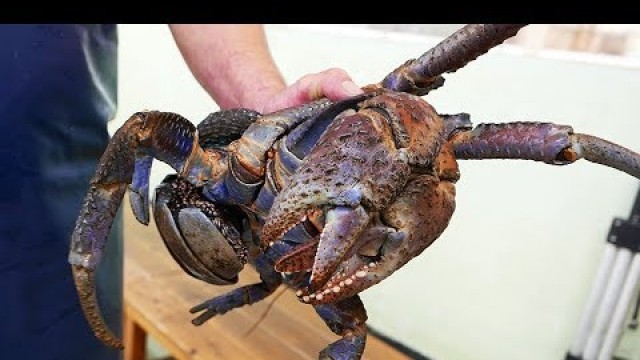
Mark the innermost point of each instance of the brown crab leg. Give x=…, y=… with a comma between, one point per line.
x=546, y=142
x=606, y=153
x=166, y=136
x=421, y=75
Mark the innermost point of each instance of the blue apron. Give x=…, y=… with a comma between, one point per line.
x=57, y=92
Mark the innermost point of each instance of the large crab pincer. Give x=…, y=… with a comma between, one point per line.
x=363, y=180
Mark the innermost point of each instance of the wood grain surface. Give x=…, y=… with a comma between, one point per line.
x=158, y=295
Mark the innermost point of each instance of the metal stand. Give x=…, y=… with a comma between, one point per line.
x=611, y=295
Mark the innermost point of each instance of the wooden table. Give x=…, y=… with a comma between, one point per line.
x=158, y=295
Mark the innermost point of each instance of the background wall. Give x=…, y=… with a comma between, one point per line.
x=509, y=277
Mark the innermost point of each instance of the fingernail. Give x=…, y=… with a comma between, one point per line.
x=350, y=88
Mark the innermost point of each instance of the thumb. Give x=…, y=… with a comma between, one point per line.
x=334, y=84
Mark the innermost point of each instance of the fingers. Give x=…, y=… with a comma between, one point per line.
x=334, y=83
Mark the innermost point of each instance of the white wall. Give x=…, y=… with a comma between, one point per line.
x=509, y=277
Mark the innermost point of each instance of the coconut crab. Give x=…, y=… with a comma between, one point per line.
x=337, y=226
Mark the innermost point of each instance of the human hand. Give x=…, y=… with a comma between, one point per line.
x=334, y=84
x=233, y=64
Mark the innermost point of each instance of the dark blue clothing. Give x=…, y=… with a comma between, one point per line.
x=57, y=92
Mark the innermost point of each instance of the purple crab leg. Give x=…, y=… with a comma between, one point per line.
x=247, y=155
x=245, y=295
x=166, y=136
x=347, y=319
x=421, y=75
x=546, y=142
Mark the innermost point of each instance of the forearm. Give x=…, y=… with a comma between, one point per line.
x=231, y=62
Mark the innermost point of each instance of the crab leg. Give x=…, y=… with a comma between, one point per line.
x=346, y=318
x=421, y=75
x=245, y=295
x=549, y=143
x=606, y=153
x=248, y=155
x=165, y=136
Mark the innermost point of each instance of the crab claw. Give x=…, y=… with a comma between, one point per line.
x=359, y=167
x=341, y=232
x=391, y=238
x=340, y=228
x=299, y=259
x=356, y=169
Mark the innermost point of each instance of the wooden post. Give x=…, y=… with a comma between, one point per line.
x=135, y=338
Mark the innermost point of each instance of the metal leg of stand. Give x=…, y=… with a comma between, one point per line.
x=617, y=278
x=605, y=310
x=622, y=308
x=595, y=295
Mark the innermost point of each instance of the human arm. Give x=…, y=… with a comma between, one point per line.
x=234, y=65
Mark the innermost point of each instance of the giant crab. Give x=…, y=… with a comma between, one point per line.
x=329, y=198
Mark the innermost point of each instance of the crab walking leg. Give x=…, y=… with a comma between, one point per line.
x=218, y=129
x=245, y=295
x=546, y=142
x=346, y=318
x=606, y=153
x=165, y=136
x=84, y=280
x=249, y=151
x=421, y=75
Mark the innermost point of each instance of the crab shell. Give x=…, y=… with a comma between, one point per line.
x=378, y=186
